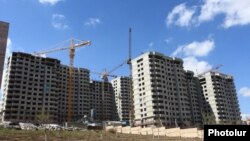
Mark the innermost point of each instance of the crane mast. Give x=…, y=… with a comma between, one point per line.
x=130, y=77
x=71, y=81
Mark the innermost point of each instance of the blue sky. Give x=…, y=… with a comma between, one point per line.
x=204, y=33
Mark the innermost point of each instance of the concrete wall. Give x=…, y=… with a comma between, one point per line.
x=146, y=131
x=191, y=132
x=136, y=130
x=173, y=132
x=161, y=131
x=200, y=133
x=118, y=129
x=126, y=130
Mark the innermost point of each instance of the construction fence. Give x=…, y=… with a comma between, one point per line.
x=160, y=131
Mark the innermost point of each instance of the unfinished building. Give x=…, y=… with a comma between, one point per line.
x=121, y=86
x=81, y=92
x=35, y=85
x=102, y=100
x=195, y=97
x=31, y=88
x=161, y=94
x=220, y=97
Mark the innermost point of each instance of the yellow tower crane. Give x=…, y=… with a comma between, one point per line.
x=71, y=48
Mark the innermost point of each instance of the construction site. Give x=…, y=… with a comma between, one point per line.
x=157, y=95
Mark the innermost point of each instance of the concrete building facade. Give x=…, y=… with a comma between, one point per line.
x=161, y=93
x=220, y=97
x=30, y=88
x=102, y=100
x=36, y=85
x=121, y=86
x=81, y=92
x=195, y=97
x=4, y=29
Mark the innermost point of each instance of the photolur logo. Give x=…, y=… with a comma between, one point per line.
x=214, y=132
x=226, y=132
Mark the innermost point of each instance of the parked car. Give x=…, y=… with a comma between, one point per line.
x=95, y=126
x=13, y=125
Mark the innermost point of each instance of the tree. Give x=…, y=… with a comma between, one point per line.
x=187, y=123
x=158, y=122
x=208, y=119
x=43, y=118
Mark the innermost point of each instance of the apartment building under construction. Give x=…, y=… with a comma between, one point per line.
x=102, y=101
x=31, y=88
x=121, y=86
x=164, y=94
x=195, y=97
x=81, y=92
x=36, y=85
x=220, y=97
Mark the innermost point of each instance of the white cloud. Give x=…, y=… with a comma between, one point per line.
x=168, y=40
x=236, y=12
x=193, y=50
x=193, y=64
x=245, y=91
x=245, y=116
x=8, y=42
x=1, y=100
x=198, y=49
x=0, y=104
x=9, y=47
x=58, y=25
x=151, y=44
x=58, y=16
x=92, y=22
x=51, y=2
x=180, y=15
x=8, y=53
x=59, y=22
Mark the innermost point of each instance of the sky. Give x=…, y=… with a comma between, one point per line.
x=204, y=33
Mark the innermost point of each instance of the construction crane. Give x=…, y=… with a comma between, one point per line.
x=71, y=48
x=130, y=76
x=104, y=76
x=215, y=68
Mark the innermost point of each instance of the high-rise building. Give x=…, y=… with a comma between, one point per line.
x=102, y=100
x=80, y=100
x=220, y=97
x=121, y=86
x=30, y=88
x=36, y=85
x=161, y=93
x=195, y=97
x=4, y=28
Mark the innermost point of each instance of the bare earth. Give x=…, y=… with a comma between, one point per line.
x=21, y=135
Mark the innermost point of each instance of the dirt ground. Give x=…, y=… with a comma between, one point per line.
x=86, y=135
